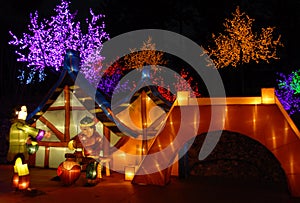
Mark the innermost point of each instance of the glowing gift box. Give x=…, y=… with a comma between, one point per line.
x=129, y=172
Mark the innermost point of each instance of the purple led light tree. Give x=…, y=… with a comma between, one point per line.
x=45, y=45
x=288, y=91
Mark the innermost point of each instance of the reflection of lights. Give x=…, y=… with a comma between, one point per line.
x=122, y=154
x=254, y=120
x=274, y=138
x=158, y=167
x=286, y=127
x=292, y=164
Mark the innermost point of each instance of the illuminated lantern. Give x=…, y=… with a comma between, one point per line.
x=19, y=134
x=129, y=172
x=69, y=171
x=183, y=98
x=21, y=179
x=91, y=173
x=24, y=178
x=32, y=148
x=268, y=95
x=15, y=179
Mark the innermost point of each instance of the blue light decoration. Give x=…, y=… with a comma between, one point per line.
x=288, y=91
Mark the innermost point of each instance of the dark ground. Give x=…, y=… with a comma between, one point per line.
x=114, y=189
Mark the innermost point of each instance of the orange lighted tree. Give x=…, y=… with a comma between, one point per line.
x=147, y=56
x=239, y=44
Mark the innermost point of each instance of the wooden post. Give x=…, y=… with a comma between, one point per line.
x=144, y=123
x=106, y=141
x=46, y=161
x=67, y=113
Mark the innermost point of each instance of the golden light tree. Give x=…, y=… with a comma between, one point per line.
x=239, y=44
x=148, y=55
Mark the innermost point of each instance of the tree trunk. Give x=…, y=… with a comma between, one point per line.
x=242, y=77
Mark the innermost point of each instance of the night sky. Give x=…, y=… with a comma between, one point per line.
x=196, y=20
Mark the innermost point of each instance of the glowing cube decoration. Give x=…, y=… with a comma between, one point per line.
x=129, y=172
x=183, y=98
x=267, y=95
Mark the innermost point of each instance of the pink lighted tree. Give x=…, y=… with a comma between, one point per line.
x=45, y=45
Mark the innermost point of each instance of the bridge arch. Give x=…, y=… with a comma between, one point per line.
x=236, y=156
x=263, y=119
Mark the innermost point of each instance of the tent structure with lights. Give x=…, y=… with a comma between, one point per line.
x=67, y=103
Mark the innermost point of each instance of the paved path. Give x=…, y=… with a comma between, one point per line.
x=114, y=189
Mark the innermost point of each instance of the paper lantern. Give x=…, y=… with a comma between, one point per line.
x=21, y=179
x=15, y=178
x=69, y=171
x=32, y=148
x=129, y=172
x=92, y=171
x=24, y=182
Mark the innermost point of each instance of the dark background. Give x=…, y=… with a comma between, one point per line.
x=196, y=20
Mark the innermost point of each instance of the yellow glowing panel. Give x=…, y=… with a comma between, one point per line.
x=129, y=172
x=183, y=98
x=267, y=95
